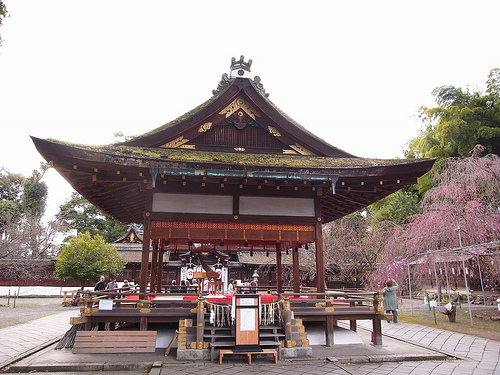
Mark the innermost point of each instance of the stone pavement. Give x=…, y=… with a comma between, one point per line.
x=21, y=340
x=403, y=343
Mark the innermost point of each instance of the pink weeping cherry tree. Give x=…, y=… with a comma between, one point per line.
x=460, y=217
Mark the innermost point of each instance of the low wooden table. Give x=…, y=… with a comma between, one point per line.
x=224, y=352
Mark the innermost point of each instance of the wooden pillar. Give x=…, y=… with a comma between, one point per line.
x=353, y=325
x=377, y=319
x=159, y=269
x=154, y=267
x=279, y=283
x=287, y=322
x=320, y=260
x=330, y=326
x=146, y=237
x=200, y=322
x=296, y=272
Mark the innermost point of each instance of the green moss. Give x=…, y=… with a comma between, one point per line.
x=111, y=152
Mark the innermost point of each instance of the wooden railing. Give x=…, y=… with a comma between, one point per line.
x=328, y=307
x=331, y=306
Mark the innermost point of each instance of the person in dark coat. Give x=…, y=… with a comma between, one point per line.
x=101, y=284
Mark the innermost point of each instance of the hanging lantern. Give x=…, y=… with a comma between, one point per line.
x=221, y=243
x=246, y=243
x=278, y=245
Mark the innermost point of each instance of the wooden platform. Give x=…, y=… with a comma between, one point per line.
x=224, y=352
x=94, y=342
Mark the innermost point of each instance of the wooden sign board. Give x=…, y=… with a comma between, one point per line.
x=199, y=275
x=203, y=275
x=247, y=323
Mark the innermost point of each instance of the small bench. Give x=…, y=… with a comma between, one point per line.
x=224, y=352
x=94, y=342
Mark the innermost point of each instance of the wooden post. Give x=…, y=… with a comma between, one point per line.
x=279, y=282
x=154, y=268
x=159, y=266
x=329, y=330
x=353, y=325
x=145, y=243
x=200, y=323
x=287, y=322
x=143, y=323
x=296, y=270
x=320, y=260
x=377, y=319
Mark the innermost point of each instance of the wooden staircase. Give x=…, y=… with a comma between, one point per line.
x=224, y=338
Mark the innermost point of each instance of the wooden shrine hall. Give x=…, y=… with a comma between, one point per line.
x=234, y=173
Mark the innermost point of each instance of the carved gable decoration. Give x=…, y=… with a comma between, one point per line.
x=239, y=117
x=238, y=127
x=240, y=104
x=130, y=237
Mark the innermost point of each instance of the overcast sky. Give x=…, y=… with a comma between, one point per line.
x=354, y=73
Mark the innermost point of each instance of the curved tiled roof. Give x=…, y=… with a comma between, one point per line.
x=240, y=134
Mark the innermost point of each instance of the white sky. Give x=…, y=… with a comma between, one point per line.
x=353, y=72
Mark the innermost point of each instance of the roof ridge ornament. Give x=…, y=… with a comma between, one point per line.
x=239, y=69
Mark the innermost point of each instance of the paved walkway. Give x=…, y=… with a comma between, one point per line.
x=21, y=340
x=477, y=356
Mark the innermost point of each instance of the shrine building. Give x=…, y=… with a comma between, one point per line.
x=234, y=174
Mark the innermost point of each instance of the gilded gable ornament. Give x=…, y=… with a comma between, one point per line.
x=237, y=104
x=301, y=149
x=176, y=142
x=205, y=127
x=274, y=131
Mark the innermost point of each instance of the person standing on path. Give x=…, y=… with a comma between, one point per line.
x=390, y=298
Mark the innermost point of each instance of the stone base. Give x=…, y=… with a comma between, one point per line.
x=296, y=352
x=193, y=354
x=204, y=354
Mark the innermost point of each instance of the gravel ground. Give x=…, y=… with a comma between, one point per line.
x=27, y=309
